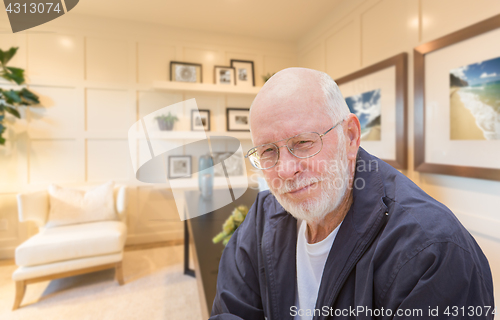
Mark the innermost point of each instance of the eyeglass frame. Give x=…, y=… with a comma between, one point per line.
x=286, y=144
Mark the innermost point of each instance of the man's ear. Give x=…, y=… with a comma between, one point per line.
x=353, y=136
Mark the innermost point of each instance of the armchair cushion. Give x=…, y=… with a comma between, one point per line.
x=70, y=206
x=72, y=242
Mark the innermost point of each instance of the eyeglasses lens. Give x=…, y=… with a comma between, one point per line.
x=304, y=145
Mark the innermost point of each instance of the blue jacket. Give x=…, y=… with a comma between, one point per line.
x=397, y=249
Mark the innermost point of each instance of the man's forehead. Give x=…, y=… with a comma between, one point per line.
x=277, y=102
x=278, y=123
x=291, y=102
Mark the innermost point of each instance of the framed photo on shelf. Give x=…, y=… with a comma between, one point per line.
x=244, y=72
x=185, y=72
x=237, y=119
x=378, y=96
x=200, y=120
x=179, y=167
x=233, y=163
x=224, y=76
x=457, y=103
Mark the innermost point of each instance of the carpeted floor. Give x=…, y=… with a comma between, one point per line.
x=155, y=288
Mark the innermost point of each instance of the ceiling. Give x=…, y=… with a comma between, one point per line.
x=269, y=19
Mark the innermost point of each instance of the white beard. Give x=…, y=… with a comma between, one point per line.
x=334, y=184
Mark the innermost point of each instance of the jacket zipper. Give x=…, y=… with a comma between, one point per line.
x=266, y=278
x=361, y=250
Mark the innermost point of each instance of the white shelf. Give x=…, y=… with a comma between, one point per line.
x=204, y=87
x=219, y=182
x=197, y=135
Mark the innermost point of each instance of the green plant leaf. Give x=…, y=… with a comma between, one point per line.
x=12, y=96
x=29, y=97
x=5, y=56
x=2, y=129
x=13, y=111
x=16, y=74
x=6, y=76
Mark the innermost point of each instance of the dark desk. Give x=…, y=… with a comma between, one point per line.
x=199, y=232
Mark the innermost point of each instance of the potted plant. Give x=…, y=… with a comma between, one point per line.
x=229, y=227
x=166, y=122
x=11, y=99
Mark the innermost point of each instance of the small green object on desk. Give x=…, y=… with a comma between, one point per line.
x=235, y=219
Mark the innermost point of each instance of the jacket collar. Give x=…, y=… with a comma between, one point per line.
x=364, y=219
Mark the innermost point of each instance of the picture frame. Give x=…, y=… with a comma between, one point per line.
x=244, y=72
x=200, y=120
x=237, y=119
x=224, y=76
x=383, y=86
x=186, y=72
x=437, y=66
x=179, y=167
x=233, y=162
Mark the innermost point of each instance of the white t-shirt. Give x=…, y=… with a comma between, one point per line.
x=311, y=259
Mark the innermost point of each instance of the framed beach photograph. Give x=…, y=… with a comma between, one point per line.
x=200, y=120
x=457, y=103
x=244, y=72
x=224, y=76
x=179, y=167
x=377, y=95
x=185, y=72
x=237, y=119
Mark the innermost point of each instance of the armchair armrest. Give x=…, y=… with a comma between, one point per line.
x=121, y=202
x=33, y=207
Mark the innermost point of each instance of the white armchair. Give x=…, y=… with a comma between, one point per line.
x=67, y=250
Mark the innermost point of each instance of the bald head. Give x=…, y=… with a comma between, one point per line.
x=308, y=94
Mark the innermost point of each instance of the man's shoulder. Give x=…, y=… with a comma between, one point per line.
x=414, y=215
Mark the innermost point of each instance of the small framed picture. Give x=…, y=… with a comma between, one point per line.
x=237, y=119
x=179, y=167
x=200, y=120
x=233, y=163
x=185, y=72
x=244, y=73
x=224, y=75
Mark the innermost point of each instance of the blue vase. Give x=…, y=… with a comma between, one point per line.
x=206, y=176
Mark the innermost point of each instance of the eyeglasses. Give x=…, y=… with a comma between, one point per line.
x=304, y=145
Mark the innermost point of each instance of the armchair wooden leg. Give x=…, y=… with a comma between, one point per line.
x=20, y=290
x=119, y=273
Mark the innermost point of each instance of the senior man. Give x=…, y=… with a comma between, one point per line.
x=342, y=234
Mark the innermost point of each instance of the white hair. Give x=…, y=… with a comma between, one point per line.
x=336, y=106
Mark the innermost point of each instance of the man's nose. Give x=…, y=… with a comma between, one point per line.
x=288, y=165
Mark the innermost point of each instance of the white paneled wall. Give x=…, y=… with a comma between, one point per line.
x=108, y=60
x=55, y=56
x=370, y=31
x=343, y=49
x=109, y=111
x=60, y=117
x=160, y=55
x=95, y=79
